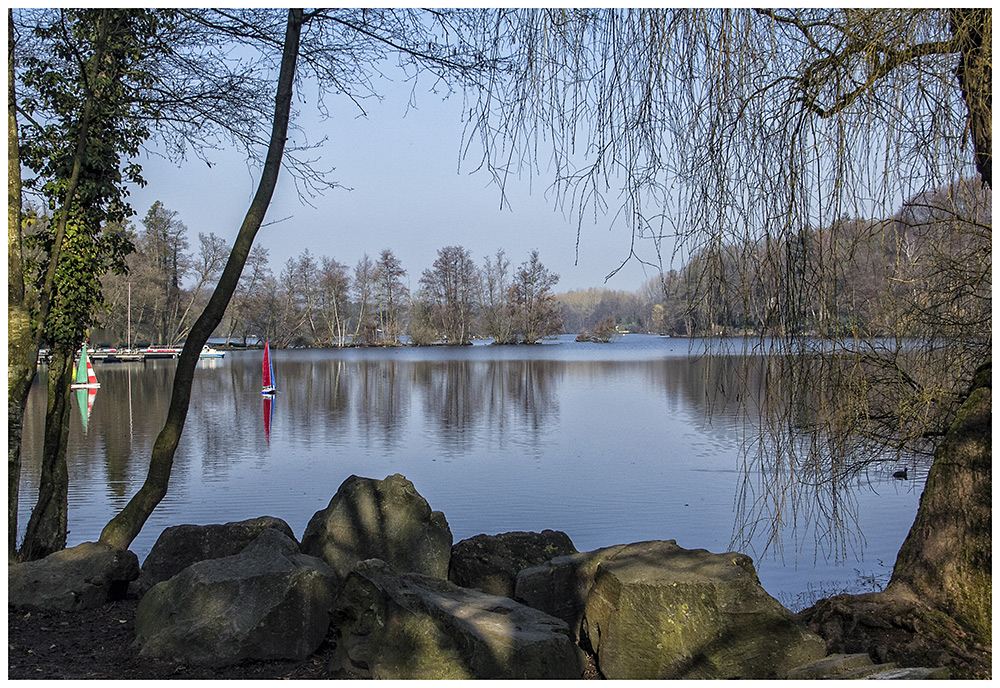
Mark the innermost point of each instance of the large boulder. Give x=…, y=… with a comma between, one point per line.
x=380, y=519
x=270, y=601
x=560, y=586
x=180, y=546
x=658, y=611
x=490, y=563
x=81, y=577
x=412, y=626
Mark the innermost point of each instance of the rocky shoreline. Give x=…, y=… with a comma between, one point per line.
x=377, y=589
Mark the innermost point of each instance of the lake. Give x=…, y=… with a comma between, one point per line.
x=610, y=443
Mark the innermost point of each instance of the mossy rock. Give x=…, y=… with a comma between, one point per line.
x=410, y=626
x=658, y=611
x=380, y=519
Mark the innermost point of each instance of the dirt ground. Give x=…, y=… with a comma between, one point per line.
x=96, y=644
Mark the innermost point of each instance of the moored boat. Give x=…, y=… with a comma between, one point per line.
x=209, y=352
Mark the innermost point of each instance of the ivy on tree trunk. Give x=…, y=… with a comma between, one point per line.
x=79, y=107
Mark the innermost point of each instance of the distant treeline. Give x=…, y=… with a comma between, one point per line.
x=896, y=276
x=924, y=271
x=320, y=302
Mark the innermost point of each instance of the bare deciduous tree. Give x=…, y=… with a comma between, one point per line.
x=334, y=284
x=495, y=303
x=451, y=286
x=363, y=287
x=391, y=294
x=535, y=314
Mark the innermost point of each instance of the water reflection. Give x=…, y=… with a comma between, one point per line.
x=382, y=401
x=85, y=402
x=611, y=444
x=268, y=415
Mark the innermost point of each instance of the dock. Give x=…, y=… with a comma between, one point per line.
x=134, y=355
x=118, y=356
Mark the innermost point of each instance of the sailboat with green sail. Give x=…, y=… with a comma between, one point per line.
x=84, y=378
x=86, y=385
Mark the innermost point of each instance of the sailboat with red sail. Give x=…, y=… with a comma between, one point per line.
x=268, y=387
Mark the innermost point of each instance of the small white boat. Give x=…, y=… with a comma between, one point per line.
x=209, y=352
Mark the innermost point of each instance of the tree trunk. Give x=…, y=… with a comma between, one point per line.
x=944, y=570
x=46, y=532
x=973, y=28
x=50, y=507
x=22, y=353
x=946, y=560
x=937, y=609
x=124, y=527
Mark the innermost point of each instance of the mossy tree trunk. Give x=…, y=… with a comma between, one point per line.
x=46, y=531
x=946, y=560
x=22, y=353
x=937, y=609
x=126, y=525
x=86, y=111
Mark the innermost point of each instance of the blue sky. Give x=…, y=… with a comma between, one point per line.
x=407, y=193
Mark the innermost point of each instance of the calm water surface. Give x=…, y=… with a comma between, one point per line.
x=611, y=443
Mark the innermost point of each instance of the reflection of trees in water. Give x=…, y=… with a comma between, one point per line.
x=531, y=385
x=702, y=383
x=453, y=396
x=312, y=400
x=227, y=412
x=791, y=484
x=797, y=487
x=381, y=397
x=332, y=398
x=127, y=440
x=465, y=400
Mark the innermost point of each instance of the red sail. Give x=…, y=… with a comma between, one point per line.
x=267, y=366
x=268, y=372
